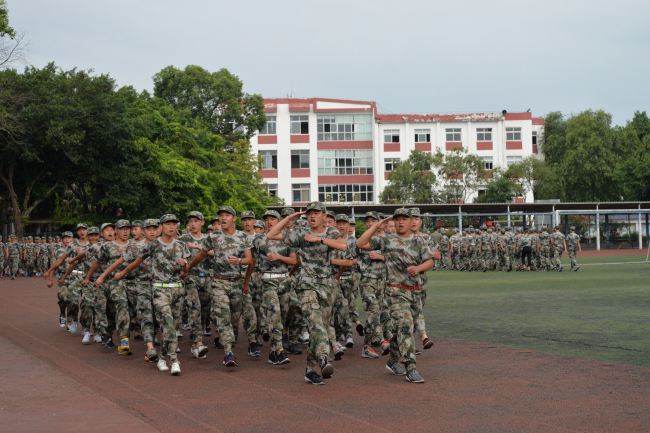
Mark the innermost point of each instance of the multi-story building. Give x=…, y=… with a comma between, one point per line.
x=342, y=151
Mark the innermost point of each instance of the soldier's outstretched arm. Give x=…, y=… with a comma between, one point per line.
x=55, y=265
x=364, y=240
x=247, y=277
x=93, y=268
x=124, y=272
x=109, y=270
x=197, y=259
x=276, y=231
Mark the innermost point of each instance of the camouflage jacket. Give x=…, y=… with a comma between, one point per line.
x=371, y=268
x=315, y=258
x=194, y=245
x=572, y=240
x=75, y=249
x=164, y=259
x=109, y=252
x=261, y=246
x=224, y=246
x=400, y=253
x=132, y=252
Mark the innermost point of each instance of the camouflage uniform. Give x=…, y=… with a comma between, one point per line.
x=443, y=247
x=113, y=290
x=138, y=286
x=165, y=276
x=30, y=257
x=315, y=285
x=3, y=251
x=372, y=287
x=545, y=250
x=274, y=277
x=73, y=288
x=557, y=248
x=196, y=287
x=13, y=257
x=42, y=258
x=572, y=240
x=342, y=297
x=226, y=285
x=400, y=253
x=456, y=241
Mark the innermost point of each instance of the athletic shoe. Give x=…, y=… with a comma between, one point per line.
x=369, y=352
x=176, y=368
x=294, y=349
x=151, y=356
x=199, y=352
x=178, y=349
x=207, y=332
x=162, y=365
x=414, y=377
x=124, y=348
x=73, y=328
x=97, y=338
x=360, y=330
x=108, y=342
x=266, y=336
x=576, y=269
x=313, y=378
x=229, y=360
x=385, y=347
x=86, y=338
x=304, y=337
x=185, y=326
x=349, y=342
x=254, y=350
x=396, y=368
x=62, y=322
x=338, y=351
x=273, y=358
x=282, y=358
x=427, y=343
x=217, y=343
x=326, y=368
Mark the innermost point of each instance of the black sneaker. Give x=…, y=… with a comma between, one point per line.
x=414, y=377
x=293, y=349
x=266, y=336
x=427, y=343
x=254, y=350
x=108, y=343
x=273, y=357
x=360, y=330
x=326, y=368
x=229, y=360
x=313, y=378
x=396, y=368
x=282, y=358
x=338, y=352
x=217, y=343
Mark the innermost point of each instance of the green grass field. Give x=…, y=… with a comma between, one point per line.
x=601, y=312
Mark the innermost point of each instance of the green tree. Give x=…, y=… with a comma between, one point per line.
x=460, y=174
x=411, y=181
x=633, y=147
x=5, y=28
x=500, y=189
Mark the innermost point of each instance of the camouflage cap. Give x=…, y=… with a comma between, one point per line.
x=12, y=236
x=227, y=209
x=331, y=214
x=414, y=212
x=150, y=222
x=342, y=217
x=247, y=214
x=371, y=214
x=94, y=230
x=66, y=234
x=29, y=238
x=168, y=217
x=81, y=226
x=137, y=223
x=120, y=224
x=573, y=228
x=271, y=213
x=287, y=211
x=103, y=226
x=37, y=238
x=317, y=206
x=195, y=214
x=402, y=211
x=260, y=224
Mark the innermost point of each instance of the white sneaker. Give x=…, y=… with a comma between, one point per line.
x=176, y=368
x=86, y=339
x=97, y=338
x=62, y=323
x=73, y=328
x=162, y=365
x=179, y=334
x=199, y=352
x=304, y=337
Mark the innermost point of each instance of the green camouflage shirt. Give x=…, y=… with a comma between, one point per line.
x=224, y=246
x=109, y=252
x=371, y=268
x=315, y=258
x=75, y=249
x=261, y=246
x=572, y=240
x=194, y=246
x=557, y=238
x=400, y=253
x=164, y=259
x=133, y=251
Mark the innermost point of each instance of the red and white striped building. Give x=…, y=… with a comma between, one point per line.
x=342, y=151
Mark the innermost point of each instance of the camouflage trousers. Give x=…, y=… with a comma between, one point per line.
x=249, y=317
x=384, y=313
x=226, y=302
x=13, y=265
x=273, y=312
x=128, y=286
x=420, y=299
x=341, y=325
x=403, y=307
x=257, y=296
x=556, y=258
x=71, y=294
x=444, y=259
x=193, y=286
x=163, y=300
x=572, y=258
x=104, y=310
x=316, y=302
x=177, y=305
x=2, y=264
x=41, y=264
x=144, y=308
x=117, y=294
x=86, y=301
x=371, y=292
x=292, y=318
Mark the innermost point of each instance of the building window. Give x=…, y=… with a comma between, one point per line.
x=346, y=193
x=391, y=136
x=272, y=189
x=269, y=126
x=340, y=127
x=269, y=159
x=534, y=137
x=513, y=134
x=487, y=162
x=483, y=134
x=453, y=134
x=300, y=192
x=344, y=162
x=299, y=159
x=299, y=124
x=423, y=136
x=390, y=163
x=512, y=160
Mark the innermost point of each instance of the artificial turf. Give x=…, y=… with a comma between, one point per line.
x=601, y=312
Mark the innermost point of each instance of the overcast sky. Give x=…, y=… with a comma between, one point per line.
x=410, y=56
